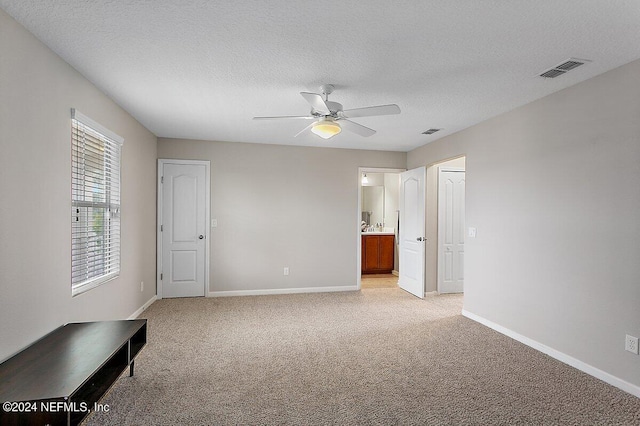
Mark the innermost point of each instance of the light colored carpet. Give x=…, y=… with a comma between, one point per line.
x=376, y=356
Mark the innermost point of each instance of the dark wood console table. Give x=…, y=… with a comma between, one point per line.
x=59, y=379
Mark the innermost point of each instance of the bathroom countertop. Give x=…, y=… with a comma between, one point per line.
x=378, y=233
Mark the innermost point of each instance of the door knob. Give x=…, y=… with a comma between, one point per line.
x=201, y=236
x=421, y=239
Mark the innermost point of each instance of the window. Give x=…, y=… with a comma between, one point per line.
x=95, y=204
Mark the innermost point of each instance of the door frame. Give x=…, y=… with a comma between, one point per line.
x=362, y=170
x=207, y=196
x=440, y=237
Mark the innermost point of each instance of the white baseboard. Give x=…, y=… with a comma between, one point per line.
x=396, y=273
x=560, y=356
x=143, y=307
x=281, y=291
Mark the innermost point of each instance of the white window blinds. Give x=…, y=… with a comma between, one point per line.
x=95, y=201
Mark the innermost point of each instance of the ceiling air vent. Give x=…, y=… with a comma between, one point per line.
x=569, y=65
x=552, y=73
x=430, y=131
x=562, y=68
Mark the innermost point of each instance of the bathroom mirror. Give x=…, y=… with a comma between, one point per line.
x=373, y=204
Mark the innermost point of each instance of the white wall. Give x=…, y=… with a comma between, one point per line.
x=374, y=179
x=37, y=92
x=282, y=206
x=553, y=189
x=391, y=206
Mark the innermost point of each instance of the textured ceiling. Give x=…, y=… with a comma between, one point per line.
x=202, y=69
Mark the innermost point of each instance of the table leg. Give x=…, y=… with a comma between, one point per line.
x=131, y=368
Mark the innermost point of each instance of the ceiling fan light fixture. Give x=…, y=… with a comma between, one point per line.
x=326, y=113
x=326, y=128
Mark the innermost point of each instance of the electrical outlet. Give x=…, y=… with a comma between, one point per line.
x=631, y=344
x=141, y=286
x=286, y=270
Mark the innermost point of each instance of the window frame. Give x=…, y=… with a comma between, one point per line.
x=107, y=248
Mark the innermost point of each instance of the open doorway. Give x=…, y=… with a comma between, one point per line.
x=377, y=252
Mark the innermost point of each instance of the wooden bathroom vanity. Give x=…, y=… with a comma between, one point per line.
x=378, y=252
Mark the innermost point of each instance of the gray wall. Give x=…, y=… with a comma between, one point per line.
x=282, y=206
x=37, y=92
x=553, y=188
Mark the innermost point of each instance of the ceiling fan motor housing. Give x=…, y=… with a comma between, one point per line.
x=334, y=107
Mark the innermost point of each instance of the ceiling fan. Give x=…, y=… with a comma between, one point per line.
x=329, y=117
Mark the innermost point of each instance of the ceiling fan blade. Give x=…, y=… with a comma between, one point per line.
x=295, y=117
x=371, y=111
x=356, y=128
x=304, y=130
x=316, y=101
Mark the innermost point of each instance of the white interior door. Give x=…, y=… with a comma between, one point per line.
x=451, y=230
x=411, y=235
x=183, y=229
